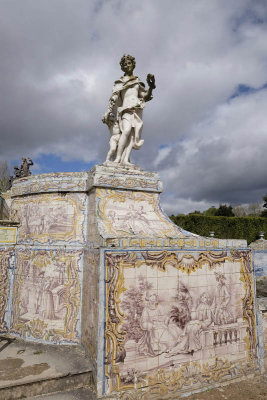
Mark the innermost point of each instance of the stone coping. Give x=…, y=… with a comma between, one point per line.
x=99, y=176
x=124, y=178
x=260, y=244
x=178, y=243
x=54, y=182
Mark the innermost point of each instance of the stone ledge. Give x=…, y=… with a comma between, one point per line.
x=54, y=182
x=99, y=176
x=118, y=177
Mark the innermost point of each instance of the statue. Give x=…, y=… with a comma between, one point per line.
x=23, y=171
x=17, y=172
x=25, y=167
x=124, y=115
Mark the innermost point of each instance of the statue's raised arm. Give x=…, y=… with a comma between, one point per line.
x=124, y=114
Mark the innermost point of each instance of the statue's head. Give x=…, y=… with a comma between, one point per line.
x=23, y=159
x=126, y=61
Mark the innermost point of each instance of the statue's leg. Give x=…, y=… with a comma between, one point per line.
x=112, y=147
x=126, y=130
x=138, y=123
x=125, y=159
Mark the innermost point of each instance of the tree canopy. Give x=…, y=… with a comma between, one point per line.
x=224, y=211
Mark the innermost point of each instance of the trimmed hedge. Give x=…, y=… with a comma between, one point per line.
x=223, y=227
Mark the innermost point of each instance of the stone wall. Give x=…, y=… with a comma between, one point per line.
x=46, y=279
x=96, y=262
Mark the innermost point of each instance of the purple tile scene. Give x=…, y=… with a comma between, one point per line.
x=168, y=309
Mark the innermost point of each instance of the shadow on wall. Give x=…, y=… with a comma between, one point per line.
x=4, y=212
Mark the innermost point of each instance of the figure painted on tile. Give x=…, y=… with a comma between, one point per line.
x=190, y=340
x=222, y=314
x=42, y=295
x=124, y=114
x=149, y=322
x=47, y=308
x=38, y=218
x=175, y=325
x=136, y=221
x=204, y=309
x=133, y=305
x=190, y=322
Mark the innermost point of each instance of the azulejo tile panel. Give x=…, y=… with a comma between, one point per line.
x=132, y=214
x=177, y=321
x=5, y=256
x=46, y=296
x=50, y=218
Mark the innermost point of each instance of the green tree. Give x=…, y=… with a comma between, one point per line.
x=264, y=212
x=224, y=211
x=195, y=212
x=210, y=212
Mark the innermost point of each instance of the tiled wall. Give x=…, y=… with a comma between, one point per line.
x=49, y=258
x=177, y=321
x=130, y=213
x=159, y=310
x=50, y=218
x=260, y=262
x=47, y=295
x=6, y=281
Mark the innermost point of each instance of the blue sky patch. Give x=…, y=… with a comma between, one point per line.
x=245, y=90
x=48, y=163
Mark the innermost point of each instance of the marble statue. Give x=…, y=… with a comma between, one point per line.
x=124, y=114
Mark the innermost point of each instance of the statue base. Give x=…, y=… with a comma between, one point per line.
x=98, y=263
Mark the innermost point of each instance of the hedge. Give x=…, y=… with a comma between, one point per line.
x=223, y=227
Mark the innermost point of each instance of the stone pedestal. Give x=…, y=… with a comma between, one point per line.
x=97, y=262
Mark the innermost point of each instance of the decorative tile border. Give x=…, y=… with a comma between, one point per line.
x=183, y=242
x=5, y=256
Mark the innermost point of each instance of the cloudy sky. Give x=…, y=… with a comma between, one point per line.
x=205, y=130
